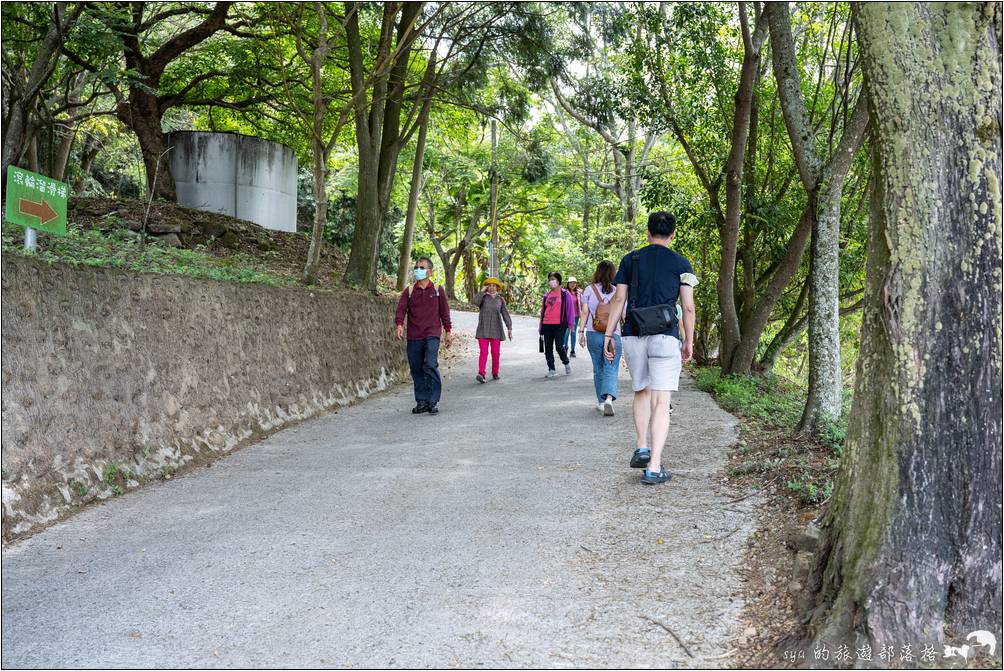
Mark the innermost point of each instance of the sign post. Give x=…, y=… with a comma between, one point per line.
x=36, y=202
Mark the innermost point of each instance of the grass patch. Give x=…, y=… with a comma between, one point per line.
x=121, y=248
x=770, y=452
x=767, y=398
x=79, y=488
x=117, y=477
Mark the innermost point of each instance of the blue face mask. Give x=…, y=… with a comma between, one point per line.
x=421, y=274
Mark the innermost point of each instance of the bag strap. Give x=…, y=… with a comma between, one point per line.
x=599, y=296
x=592, y=315
x=412, y=286
x=633, y=292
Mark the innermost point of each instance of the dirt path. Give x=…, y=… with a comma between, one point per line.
x=506, y=531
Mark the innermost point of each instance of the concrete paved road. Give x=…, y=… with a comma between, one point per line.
x=506, y=531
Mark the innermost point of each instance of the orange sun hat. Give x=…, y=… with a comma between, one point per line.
x=495, y=281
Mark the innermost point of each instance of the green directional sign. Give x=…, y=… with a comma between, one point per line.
x=36, y=201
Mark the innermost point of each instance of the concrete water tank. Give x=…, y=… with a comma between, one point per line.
x=238, y=175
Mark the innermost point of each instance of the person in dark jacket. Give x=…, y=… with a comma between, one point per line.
x=557, y=315
x=493, y=313
x=428, y=314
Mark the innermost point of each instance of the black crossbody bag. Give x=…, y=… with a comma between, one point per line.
x=651, y=320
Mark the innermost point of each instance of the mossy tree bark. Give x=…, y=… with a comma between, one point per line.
x=823, y=178
x=912, y=550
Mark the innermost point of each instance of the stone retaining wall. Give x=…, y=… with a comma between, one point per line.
x=112, y=378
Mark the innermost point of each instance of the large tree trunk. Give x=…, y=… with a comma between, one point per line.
x=15, y=146
x=142, y=114
x=731, y=336
x=912, y=551
x=404, y=264
x=378, y=138
x=33, y=162
x=361, y=269
x=144, y=109
x=470, y=274
x=62, y=157
x=823, y=403
x=450, y=276
x=823, y=182
x=824, y=400
x=87, y=155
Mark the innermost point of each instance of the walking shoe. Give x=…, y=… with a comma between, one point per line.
x=650, y=478
x=640, y=458
x=550, y=373
x=608, y=407
x=568, y=369
x=420, y=408
x=480, y=378
x=495, y=377
x=433, y=409
x=573, y=353
x=599, y=407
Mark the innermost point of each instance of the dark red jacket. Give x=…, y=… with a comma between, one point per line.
x=425, y=311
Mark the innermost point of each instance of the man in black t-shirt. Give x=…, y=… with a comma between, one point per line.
x=654, y=360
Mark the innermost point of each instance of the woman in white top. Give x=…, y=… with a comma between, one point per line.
x=593, y=320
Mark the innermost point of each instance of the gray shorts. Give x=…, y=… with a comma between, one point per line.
x=654, y=362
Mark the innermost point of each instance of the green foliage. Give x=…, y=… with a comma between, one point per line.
x=79, y=488
x=668, y=67
x=772, y=407
x=117, y=477
x=771, y=399
x=122, y=249
x=766, y=398
x=833, y=435
x=809, y=491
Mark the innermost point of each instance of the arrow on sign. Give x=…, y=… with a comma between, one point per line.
x=42, y=210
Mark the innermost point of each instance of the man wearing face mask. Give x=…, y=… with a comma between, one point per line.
x=428, y=313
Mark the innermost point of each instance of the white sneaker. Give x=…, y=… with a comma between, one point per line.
x=599, y=407
x=608, y=407
x=568, y=369
x=550, y=373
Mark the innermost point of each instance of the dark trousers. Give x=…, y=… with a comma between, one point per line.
x=570, y=336
x=554, y=337
x=423, y=359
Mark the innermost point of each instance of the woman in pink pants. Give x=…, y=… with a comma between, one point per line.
x=490, y=321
